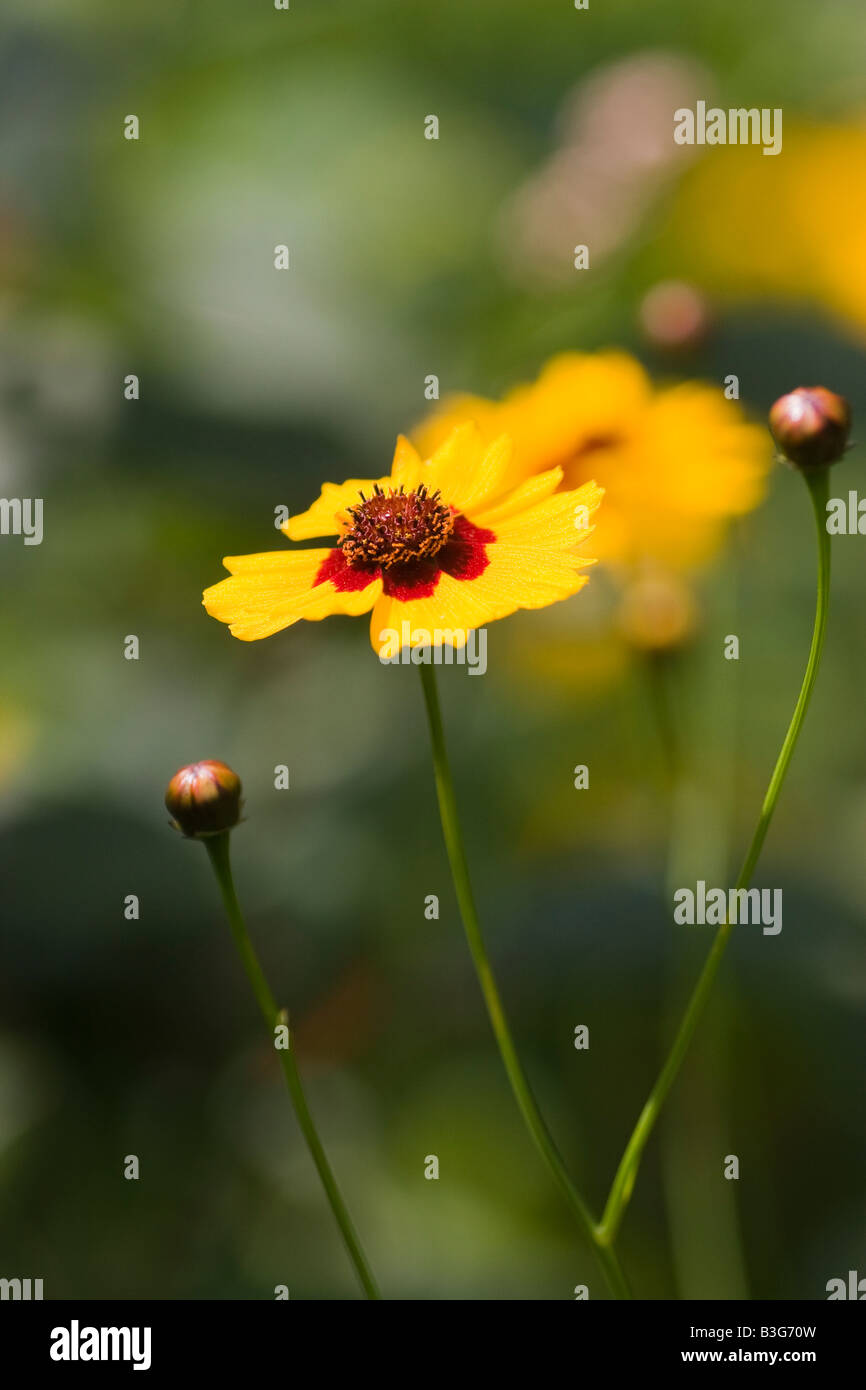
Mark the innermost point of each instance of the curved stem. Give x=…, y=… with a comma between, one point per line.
x=520, y=1086
x=218, y=851
x=623, y=1183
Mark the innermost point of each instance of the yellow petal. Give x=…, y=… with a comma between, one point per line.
x=294, y=568
x=515, y=577
x=455, y=410
x=557, y=522
x=439, y=619
x=466, y=471
x=577, y=401
x=271, y=591
x=328, y=516
x=520, y=577
x=526, y=495
x=407, y=468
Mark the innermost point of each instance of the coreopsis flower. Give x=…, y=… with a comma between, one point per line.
x=676, y=463
x=432, y=550
x=743, y=229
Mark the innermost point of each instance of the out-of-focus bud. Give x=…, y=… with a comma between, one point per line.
x=811, y=426
x=204, y=799
x=674, y=316
x=658, y=613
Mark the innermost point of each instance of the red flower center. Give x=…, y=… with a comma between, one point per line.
x=408, y=539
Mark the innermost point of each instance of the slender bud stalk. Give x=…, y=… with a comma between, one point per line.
x=204, y=800
x=218, y=853
x=817, y=482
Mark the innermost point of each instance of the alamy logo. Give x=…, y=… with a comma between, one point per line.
x=417, y=646
x=846, y=519
x=713, y=906
x=22, y=516
x=21, y=1289
x=855, y=1288
x=75, y=1343
x=738, y=126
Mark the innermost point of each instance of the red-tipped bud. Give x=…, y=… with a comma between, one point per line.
x=204, y=799
x=811, y=426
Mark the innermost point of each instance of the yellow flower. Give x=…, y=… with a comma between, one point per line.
x=768, y=227
x=675, y=464
x=434, y=549
x=657, y=612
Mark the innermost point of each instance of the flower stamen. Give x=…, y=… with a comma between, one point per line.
x=396, y=527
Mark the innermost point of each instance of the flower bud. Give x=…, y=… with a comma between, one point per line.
x=204, y=799
x=811, y=426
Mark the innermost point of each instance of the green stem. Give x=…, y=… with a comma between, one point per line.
x=218, y=850
x=699, y=831
x=519, y=1083
x=623, y=1183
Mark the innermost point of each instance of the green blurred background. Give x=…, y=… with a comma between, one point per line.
x=409, y=257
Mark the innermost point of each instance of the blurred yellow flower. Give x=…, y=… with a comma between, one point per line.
x=791, y=229
x=432, y=550
x=657, y=612
x=676, y=463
